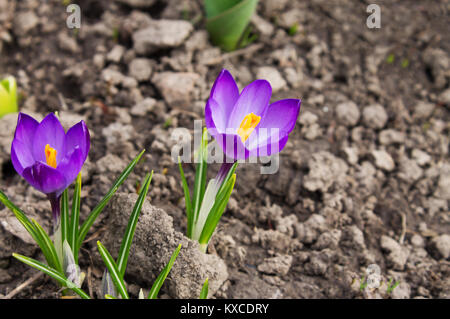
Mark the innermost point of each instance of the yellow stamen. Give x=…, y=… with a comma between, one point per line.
x=248, y=124
x=50, y=156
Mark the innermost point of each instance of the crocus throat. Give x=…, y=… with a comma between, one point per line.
x=50, y=156
x=248, y=124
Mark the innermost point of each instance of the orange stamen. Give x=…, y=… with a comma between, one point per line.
x=50, y=156
x=248, y=124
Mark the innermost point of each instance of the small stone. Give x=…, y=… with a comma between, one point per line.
x=444, y=97
x=390, y=136
x=272, y=75
x=161, y=34
x=347, y=113
x=263, y=26
x=308, y=231
x=351, y=155
x=110, y=164
x=143, y=107
x=24, y=22
x=308, y=118
x=420, y=157
x=443, y=186
x=417, y=241
x=423, y=110
x=67, y=43
x=197, y=41
x=177, y=88
x=116, y=54
x=397, y=254
x=112, y=76
x=442, y=245
x=140, y=69
x=409, y=170
x=375, y=116
x=276, y=265
x=99, y=61
x=383, y=160
x=325, y=169
x=117, y=132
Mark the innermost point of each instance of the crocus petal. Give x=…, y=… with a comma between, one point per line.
x=78, y=136
x=21, y=156
x=70, y=166
x=278, y=122
x=254, y=99
x=232, y=146
x=215, y=117
x=225, y=93
x=45, y=178
x=49, y=131
x=25, y=129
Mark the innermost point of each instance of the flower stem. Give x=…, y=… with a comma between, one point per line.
x=55, y=202
x=203, y=248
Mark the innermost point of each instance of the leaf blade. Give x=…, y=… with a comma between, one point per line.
x=52, y=273
x=113, y=270
x=163, y=275
x=84, y=229
x=124, y=251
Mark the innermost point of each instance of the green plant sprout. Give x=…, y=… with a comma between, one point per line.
x=201, y=223
x=205, y=288
x=61, y=254
x=8, y=96
x=227, y=22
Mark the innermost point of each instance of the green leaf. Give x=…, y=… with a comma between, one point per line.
x=75, y=218
x=205, y=288
x=64, y=215
x=8, y=96
x=52, y=273
x=53, y=260
x=113, y=270
x=84, y=229
x=32, y=229
x=200, y=176
x=131, y=227
x=187, y=199
x=215, y=7
x=163, y=275
x=217, y=210
x=109, y=297
x=226, y=23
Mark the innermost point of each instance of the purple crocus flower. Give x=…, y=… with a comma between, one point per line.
x=246, y=124
x=47, y=157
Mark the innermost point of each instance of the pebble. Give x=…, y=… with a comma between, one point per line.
x=375, y=116
x=140, y=69
x=442, y=244
x=272, y=75
x=279, y=265
x=347, y=113
x=116, y=54
x=161, y=34
x=397, y=254
x=383, y=160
